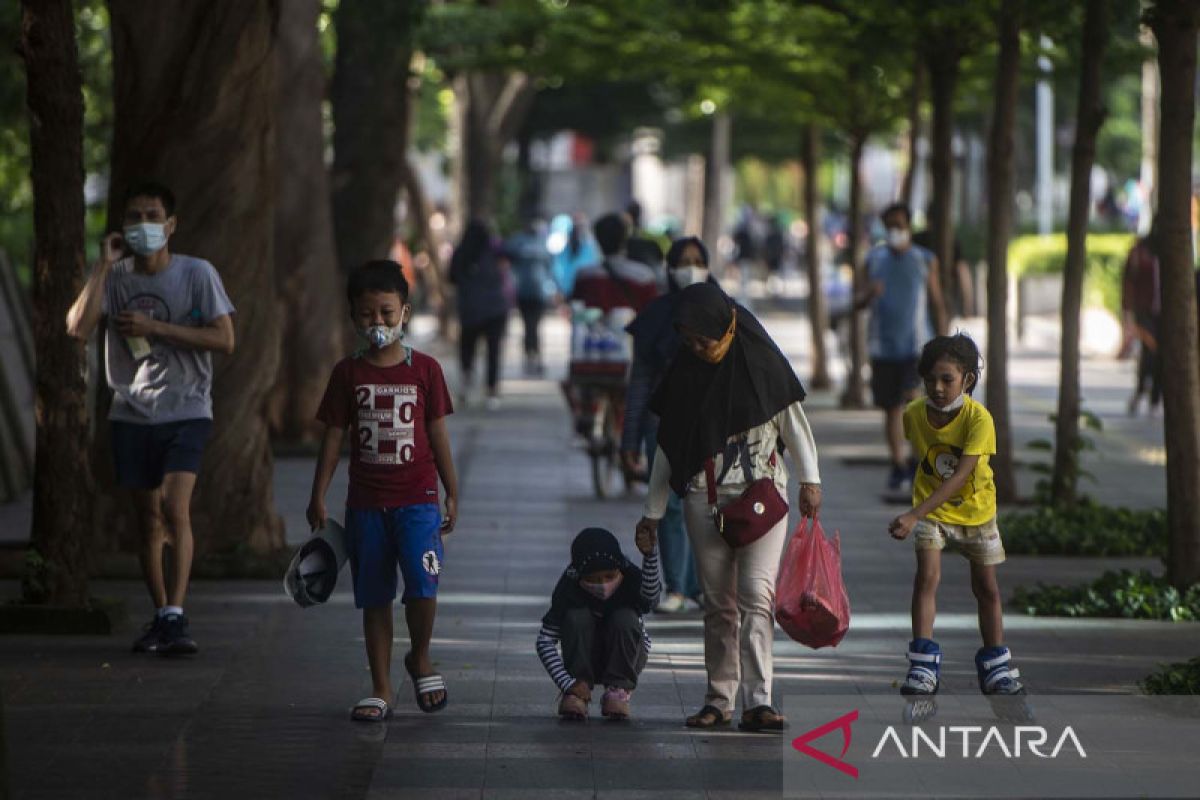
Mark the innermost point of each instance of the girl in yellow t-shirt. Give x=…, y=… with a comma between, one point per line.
x=954, y=505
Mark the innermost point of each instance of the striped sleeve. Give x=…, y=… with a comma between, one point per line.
x=547, y=650
x=651, y=578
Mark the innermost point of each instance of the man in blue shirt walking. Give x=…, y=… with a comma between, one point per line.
x=902, y=291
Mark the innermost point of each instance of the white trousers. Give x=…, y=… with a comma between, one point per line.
x=739, y=603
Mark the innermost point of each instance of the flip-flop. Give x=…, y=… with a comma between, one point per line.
x=427, y=684
x=361, y=711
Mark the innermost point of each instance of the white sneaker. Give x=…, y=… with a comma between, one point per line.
x=671, y=604
x=492, y=403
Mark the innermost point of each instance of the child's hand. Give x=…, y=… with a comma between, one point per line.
x=450, y=517
x=646, y=536
x=581, y=690
x=902, y=526
x=316, y=513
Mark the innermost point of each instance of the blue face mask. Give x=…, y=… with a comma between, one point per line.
x=146, y=238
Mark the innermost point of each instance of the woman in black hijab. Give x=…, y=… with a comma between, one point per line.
x=655, y=344
x=728, y=402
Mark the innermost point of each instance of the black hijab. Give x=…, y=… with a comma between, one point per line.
x=700, y=404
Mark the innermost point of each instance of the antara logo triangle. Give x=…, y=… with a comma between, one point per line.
x=843, y=724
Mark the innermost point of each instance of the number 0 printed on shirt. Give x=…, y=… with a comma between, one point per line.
x=386, y=422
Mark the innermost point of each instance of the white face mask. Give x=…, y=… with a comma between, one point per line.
x=898, y=238
x=146, y=238
x=380, y=336
x=953, y=405
x=602, y=591
x=689, y=276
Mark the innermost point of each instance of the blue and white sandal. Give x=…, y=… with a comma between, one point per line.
x=427, y=685
x=371, y=709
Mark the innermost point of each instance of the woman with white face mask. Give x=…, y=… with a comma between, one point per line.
x=655, y=344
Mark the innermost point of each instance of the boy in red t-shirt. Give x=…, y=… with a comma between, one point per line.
x=396, y=401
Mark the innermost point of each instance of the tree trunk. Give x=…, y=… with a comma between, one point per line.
x=424, y=238
x=855, y=395
x=1000, y=200
x=716, y=171
x=1175, y=24
x=306, y=272
x=1089, y=115
x=194, y=94
x=493, y=106
x=371, y=111
x=62, y=482
x=914, y=131
x=818, y=314
x=943, y=83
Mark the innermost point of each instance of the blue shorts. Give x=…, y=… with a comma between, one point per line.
x=379, y=539
x=143, y=454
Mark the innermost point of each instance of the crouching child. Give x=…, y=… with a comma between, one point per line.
x=595, y=617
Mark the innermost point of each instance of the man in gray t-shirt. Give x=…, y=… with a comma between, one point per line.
x=902, y=288
x=164, y=316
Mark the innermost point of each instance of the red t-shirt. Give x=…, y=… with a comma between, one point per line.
x=389, y=409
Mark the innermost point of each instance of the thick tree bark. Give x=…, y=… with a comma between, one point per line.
x=1089, y=115
x=62, y=484
x=943, y=83
x=1000, y=200
x=306, y=271
x=194, y=92
x=818, y=314
x=914, y=131
x=493, y=106
x=1175, y=24
x=855, y=395
x=371, y=112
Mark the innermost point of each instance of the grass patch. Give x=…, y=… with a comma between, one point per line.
x=1088, y=529
x=1178, y=678
x=1125, y=594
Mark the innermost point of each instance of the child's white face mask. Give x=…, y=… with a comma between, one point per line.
x=953, y=405
x=380, y=336
x=602, y=591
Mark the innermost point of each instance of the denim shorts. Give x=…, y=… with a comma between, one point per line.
x=143, y=454
x=381, y=539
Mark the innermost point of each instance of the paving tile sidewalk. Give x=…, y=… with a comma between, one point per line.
x=263, y=711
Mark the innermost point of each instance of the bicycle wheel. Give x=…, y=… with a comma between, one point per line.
x=602, y=448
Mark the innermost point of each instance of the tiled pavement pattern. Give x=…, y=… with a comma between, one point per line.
x=263, y=711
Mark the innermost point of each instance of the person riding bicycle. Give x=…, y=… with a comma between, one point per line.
x=617, y=281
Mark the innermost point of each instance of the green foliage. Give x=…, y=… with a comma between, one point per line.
x=1106, y=253
x=35, y=583
x=1124, y=593
x=1178, y=678
x=1087, y=529
x=1075, y=471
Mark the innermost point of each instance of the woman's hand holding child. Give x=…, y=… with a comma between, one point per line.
x=646, y=535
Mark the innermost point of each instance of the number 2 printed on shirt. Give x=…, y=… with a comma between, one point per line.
x=386, y=420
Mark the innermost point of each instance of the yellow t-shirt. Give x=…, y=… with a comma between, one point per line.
x=970, y=433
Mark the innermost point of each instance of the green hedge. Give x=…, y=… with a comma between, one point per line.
x=1179, y=678
x=1088, y=529
x=1128, y=594
x=1106, y=253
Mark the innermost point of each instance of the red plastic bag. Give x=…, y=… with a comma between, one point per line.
x=811, y=604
